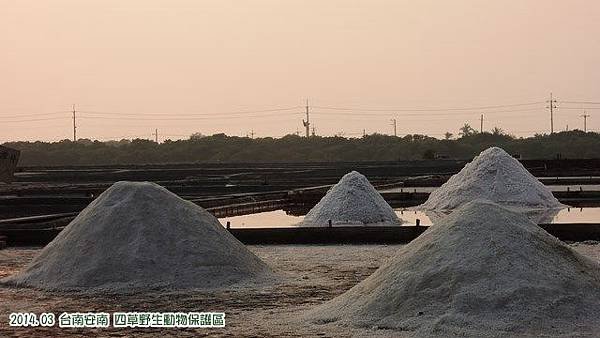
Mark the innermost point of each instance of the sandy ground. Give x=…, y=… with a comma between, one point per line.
x=309, y=275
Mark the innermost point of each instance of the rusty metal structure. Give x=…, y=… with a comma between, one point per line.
x=8, y=163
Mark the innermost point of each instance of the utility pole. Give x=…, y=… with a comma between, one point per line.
x=314, y=133
x=551, y=106
x=585, y=116
x=74, y=126
x=307, y=122
x=394, y=124
x=364, y=132
x=155, y=135
x=252, y=134
x=481, y=125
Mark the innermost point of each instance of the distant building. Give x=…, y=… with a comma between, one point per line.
x=8, y=163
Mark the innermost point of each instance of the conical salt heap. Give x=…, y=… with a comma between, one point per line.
x=496, y=176
x=139, y=235
x=485, y=271
x=352, y=201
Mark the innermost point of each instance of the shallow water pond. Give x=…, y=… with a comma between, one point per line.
x=280, y=218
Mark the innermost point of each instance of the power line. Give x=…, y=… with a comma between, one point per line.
x=280, y=109
x=35, y=120
x=258, y=113
x=430, y=114
x=169, y=118
x=218, y=114
x=31, y=115
x=428, y=109
x=324, y=112
x=578, y=108
x=420, y=117
x=193, y=114
x=579, y=102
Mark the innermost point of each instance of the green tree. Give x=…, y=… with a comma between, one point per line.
x=292, y=148
x=467, y=130
x=197, y=136
x=497, y=131
x=429, y=154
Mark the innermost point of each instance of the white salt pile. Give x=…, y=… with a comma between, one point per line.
x=537, y=216
x=140, y=235
x=486, y=271
x=496, y=176
x=352, y=201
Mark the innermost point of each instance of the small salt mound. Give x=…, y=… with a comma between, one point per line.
x=486, y=271
x=139, y=235
x=352, y=201
x=496, y=176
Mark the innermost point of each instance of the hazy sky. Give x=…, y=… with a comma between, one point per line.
x=185, y=66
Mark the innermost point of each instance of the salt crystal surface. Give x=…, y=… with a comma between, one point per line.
x=496, y=176
x=140, y=235
x=484, y=271
x=352, y=201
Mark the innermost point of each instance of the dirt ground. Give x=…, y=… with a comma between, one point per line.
x=310, y=275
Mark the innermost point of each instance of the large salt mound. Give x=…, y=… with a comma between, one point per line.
x=496, y=176
x=138, y=235
x=352, y=201
x=537, y=216
x=486, y=271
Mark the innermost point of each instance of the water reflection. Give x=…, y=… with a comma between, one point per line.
x=292, y=216
x=269, y=219
x=578, y=215
x=538, y=216
x=297, y=210
x=542, y=216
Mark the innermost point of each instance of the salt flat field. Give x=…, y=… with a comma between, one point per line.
x=311, y=275
x=482, y=268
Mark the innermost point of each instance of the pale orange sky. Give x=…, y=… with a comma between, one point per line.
x=197, y=60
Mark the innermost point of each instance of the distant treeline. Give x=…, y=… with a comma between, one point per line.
x=293, y=148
